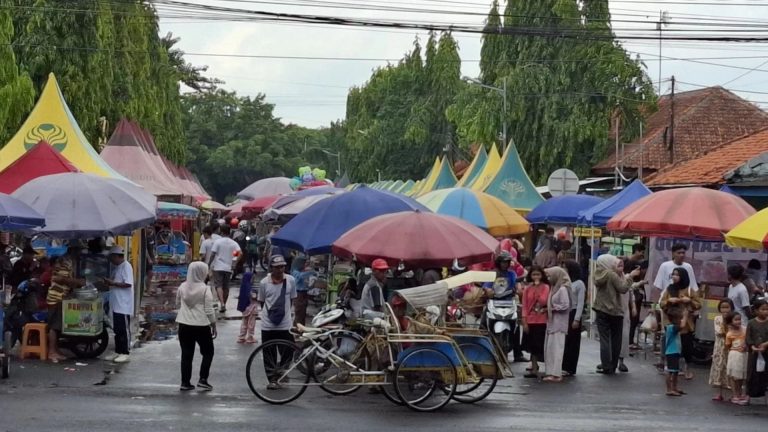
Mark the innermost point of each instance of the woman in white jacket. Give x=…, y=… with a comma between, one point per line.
x=197, y=325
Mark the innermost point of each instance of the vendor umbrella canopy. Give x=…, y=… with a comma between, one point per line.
x=213, y=206
x=16, y=215
x=752, y=233
x=315, y=230
x=166, y=210
x=295, y=196
x=602, y=212
x=266, y=187
x=255, y=207
x=289, y=211
x=696, y=213
x=478, y=208
x=417, y=240
x=562, y=210
x=79, y=205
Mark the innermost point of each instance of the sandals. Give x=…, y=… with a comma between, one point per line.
x=553, y=379
x=531, y=375
x=673, y=394
x=717, y=398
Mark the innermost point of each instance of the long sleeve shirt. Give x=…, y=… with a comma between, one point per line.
x=535, y=299
x=578, y=293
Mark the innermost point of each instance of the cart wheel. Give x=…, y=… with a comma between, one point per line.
x=475, y=392
x=285, y=382
x=420, y=373
x=5, y=360
x=334, y=372
x=388, y=390
x=89, y=347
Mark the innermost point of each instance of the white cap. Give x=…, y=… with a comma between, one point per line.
x=117, y=250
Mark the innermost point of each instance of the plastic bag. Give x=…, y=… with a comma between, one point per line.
x=649, y=323
x=760, y=367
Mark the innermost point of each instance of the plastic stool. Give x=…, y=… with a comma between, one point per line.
x=41, y=348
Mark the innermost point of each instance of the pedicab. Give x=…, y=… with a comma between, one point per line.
x=423, y=370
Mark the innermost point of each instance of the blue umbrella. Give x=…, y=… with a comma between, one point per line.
x=315, y=229
x=16, y=215
x=562, y=210
x=604, y=211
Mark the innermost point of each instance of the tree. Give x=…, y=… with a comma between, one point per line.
x=16, y=90
x=562, y=91
x=189, y=74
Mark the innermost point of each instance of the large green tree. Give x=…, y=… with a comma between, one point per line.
x=563, y=92
x=110, y=62
x=16, y=90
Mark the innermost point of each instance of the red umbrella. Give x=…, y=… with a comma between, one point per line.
x=236, y=209
x=697, y=213
x=253, y=208
x=418, y=240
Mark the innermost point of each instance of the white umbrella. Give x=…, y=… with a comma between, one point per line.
x=290, y=210
x=266, y=187
x=79, y=205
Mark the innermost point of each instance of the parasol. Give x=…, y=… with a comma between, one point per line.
x=213, y=205
x=695, y=213
x=265, y=187
x=752, y=233
x=562, y=210
x=16, y=215
x=418, y=240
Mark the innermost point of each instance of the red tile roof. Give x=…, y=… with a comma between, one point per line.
x=710, y=168
x=704, y=119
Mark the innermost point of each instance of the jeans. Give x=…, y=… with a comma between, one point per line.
x=273, y=366
x=188, y=337
x=609, y=328
x=121, y=325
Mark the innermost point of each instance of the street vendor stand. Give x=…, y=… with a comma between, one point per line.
x=173, y=245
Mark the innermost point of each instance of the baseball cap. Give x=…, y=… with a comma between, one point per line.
x=380, y=264
x=277, y=261
x=117, y=250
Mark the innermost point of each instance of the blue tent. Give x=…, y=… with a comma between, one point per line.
x=315, y=229
x=601, y=213
x=562, y=210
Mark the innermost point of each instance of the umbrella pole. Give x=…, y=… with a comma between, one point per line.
x=591, y=282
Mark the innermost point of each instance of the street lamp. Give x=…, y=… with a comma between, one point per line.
x=338, y=159
x=503, y=91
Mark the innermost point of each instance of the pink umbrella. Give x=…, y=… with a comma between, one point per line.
x=418, y=240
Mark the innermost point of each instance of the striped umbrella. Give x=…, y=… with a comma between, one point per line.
x=478, y=208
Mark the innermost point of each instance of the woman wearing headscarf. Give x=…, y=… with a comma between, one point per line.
x=610, y=284
x=679, y=295
x=197, y=325
x=558, y=309
x=573, y=338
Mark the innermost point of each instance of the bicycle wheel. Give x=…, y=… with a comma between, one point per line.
x=273, y=372
x=420, y=373
x=345, y=355
x=484, y=363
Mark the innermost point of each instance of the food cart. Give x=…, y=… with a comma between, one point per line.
x=175, y=227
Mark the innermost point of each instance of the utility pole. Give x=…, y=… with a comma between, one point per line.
x=672, y=122
x=504, y=113
x=663, y=22
x=642, y=151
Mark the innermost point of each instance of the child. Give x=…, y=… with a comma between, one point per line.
x=757, y=341
x=673, y=348
x=717, y=372
x=248, y=325
x=535, y=315
x=735, y=343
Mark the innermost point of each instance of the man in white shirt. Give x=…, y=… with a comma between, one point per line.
x=206, y=246
x=223, y=254
x=276, y=295
x=664, y=276
x=121, y=302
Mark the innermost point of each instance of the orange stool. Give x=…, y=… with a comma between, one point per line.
x=40, y=330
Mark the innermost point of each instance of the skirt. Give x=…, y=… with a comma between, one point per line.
x=736, y=367
x=537, y=333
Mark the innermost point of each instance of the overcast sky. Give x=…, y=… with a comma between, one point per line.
x=313, y=92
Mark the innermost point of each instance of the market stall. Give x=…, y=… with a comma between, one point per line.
x=174, y=231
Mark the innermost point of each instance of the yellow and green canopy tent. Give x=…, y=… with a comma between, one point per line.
x=474, y=169
x=53, y=122
x=445, y=178
x=489, y=171
x=512, y=185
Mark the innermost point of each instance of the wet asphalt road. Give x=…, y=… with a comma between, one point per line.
x=143, y=396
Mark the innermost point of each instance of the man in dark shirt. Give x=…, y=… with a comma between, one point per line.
x=22, y=269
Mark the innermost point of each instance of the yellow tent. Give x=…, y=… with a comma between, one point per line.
x=429, y=180
x=489, y=171
x=52, y=121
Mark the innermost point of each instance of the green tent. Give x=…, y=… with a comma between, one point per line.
x=475, y=168
x=512, y=184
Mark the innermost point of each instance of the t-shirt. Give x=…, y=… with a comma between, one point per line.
x=225, y=249
x=205, y=249
x=64, y=268
x=673, y=343
x=736, y=339
x=504, y=286
x=664, y=276
x=740, y=297
x=121, y=299
x=268, y=295
x=372, y=295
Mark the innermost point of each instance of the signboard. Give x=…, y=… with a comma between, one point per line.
x=563, y=182
x=710, y=260
x=169, y=273
x=82, y=318
x=587, y=232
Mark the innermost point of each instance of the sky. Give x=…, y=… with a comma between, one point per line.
x=312, y=92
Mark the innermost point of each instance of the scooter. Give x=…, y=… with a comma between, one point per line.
x=500, y=320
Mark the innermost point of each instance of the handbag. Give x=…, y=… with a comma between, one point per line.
x=276, y=312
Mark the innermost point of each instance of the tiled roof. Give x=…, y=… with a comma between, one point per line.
x=710, y=168
x=704, y=119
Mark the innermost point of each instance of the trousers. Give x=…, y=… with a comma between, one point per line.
x=189, y=336
x=273, y=365
x=609, y=328
x=121, y=325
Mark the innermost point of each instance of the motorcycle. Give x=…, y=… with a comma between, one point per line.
x=500, y=320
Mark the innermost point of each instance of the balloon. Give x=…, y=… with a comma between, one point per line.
x=295, y=183
x=319, y=174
